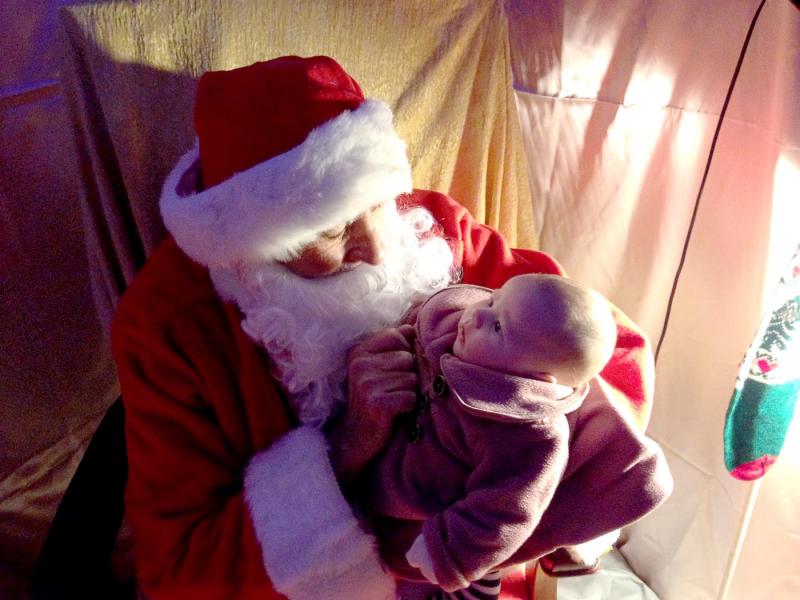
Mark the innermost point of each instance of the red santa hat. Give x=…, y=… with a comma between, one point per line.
x=287, y=149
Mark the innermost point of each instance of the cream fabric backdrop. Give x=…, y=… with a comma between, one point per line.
x=56, y=376
x=619, y=102
x=128, y=71
x=444, y=67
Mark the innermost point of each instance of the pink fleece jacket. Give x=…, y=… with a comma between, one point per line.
x=478, y=463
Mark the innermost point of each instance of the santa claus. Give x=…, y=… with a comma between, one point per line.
x=295, y=233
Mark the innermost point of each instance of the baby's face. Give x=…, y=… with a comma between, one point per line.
x=499, y=333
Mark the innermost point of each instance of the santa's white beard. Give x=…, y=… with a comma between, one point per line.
x=308, y=325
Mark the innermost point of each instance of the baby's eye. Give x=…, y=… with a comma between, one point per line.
x=497, y=327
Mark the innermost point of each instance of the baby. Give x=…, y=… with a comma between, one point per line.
x=479, y=459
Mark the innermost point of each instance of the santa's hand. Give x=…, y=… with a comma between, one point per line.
x=382, y=383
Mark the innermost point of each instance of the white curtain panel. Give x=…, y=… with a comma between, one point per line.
x=619, y=102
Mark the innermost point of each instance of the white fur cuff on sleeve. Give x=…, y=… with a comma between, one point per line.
x=312, y=544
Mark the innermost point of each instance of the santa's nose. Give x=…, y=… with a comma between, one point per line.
x=364, y=241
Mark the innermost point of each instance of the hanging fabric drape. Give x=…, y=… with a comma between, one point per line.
x=619, y=102
x=443, y=68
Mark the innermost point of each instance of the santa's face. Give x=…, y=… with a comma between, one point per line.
x=309, y=313
x=343, y=248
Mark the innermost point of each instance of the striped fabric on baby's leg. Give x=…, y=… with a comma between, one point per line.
x=485, y=588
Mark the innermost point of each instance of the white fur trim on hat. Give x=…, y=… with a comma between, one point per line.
x=270, y=211
x=312, y=545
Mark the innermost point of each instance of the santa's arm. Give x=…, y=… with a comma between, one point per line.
x=192, y=531
x=210, y=517
x=614, y=477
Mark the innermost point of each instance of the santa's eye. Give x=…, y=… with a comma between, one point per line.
x=334, y=234
x=497, y=327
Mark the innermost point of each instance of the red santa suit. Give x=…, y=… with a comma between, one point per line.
x=227, y=497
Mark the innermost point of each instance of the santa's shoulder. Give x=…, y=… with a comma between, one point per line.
x=169, y=284
x=444, y=208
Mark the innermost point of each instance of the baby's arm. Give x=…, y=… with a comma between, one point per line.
x=516, y=474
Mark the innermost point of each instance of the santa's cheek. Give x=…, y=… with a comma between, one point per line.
x=324, y=266
x=315, y=263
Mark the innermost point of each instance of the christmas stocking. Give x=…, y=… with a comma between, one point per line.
x=768, y=384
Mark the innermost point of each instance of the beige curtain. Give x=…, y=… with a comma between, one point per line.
x=444, y=67
x=56, y=376
x=124, y=96
x=619, y=102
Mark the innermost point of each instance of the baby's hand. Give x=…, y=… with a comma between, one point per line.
x=419, y=557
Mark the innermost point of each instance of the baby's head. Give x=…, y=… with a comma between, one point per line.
x=540, y=326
